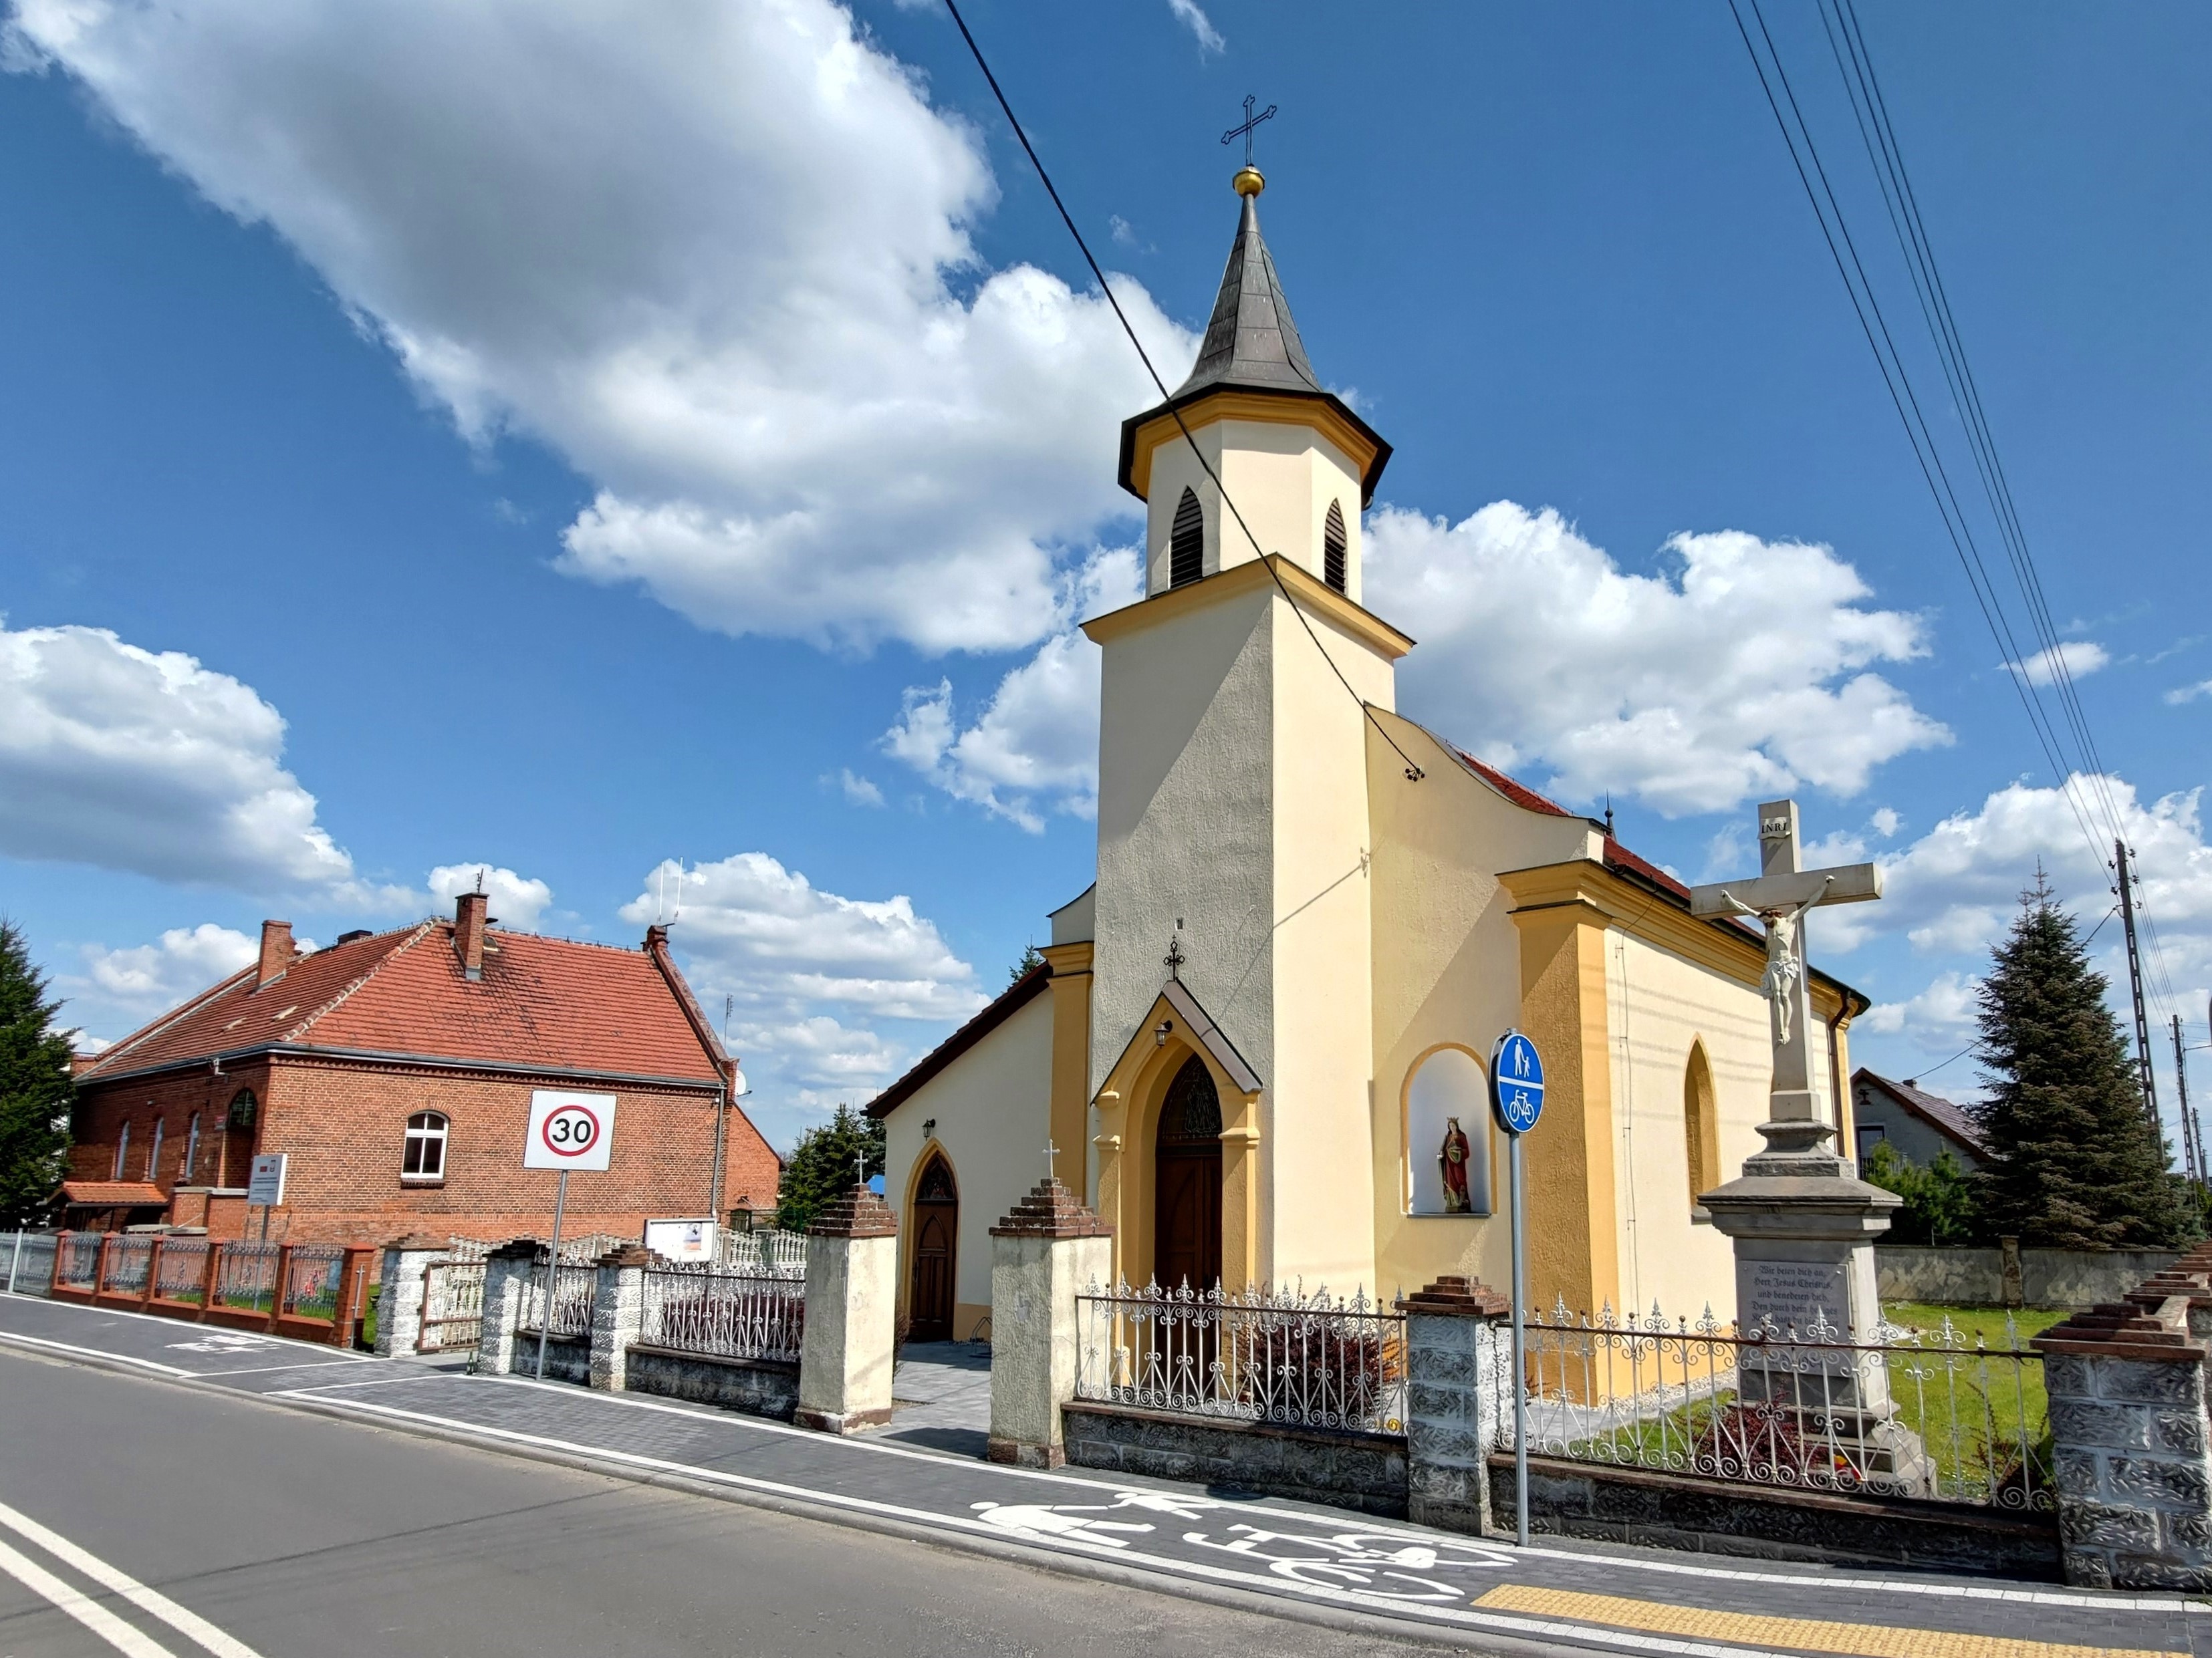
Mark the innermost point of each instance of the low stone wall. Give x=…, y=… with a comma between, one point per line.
x=568, y=1358
x=1361, y=1471
x=756, y=1386
x=1633, y=1505
x=2049, y=1277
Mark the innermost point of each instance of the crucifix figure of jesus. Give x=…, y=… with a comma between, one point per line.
x=1780, y=898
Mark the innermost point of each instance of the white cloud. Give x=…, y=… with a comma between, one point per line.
x=517, y=901
x=717, y=255
x=859, y=791
x=1738, y=676
x=1188, y=14
x=2079, y=657
x=128, y=759
x=1938, y=1021
x=1034, y=749
x=148, y=979
x=809, y=976
x=1885, y=823
x=2181, y=694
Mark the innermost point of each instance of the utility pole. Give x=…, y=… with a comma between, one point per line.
x=2135, y=984
x=2191, y=1151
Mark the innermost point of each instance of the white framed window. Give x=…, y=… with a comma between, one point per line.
x=154, y=1152
x=122, y=1152
x=423, y=1157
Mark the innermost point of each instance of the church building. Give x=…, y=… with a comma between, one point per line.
x=1258, y=1045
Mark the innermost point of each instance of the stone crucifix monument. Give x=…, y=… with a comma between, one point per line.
x=1803, y=1227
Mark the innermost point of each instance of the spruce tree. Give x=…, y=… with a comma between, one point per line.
x=820, y=1168
x=2075, y=1162
x=35, y=1089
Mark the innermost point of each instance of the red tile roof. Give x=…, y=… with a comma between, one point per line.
x=113, y=1193
x=543, y=1002
x=1513, y=789
x=1946, y=1117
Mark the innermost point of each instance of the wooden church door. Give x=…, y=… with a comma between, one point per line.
x=1186, y=1189
x=936, y=1231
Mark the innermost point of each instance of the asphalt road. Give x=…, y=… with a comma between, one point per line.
x=301, y=1537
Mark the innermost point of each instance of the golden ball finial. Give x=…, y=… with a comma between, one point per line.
x=1249, y=181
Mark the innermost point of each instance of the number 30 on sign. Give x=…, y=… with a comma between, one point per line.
x=569, y=1130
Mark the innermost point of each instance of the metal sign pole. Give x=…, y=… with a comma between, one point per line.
x=16, y=1261
x=1520, y=1356
x=552, y=1274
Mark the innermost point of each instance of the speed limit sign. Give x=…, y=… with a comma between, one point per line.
x=569, y=1130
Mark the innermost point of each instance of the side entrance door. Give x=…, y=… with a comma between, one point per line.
x=936, y=1237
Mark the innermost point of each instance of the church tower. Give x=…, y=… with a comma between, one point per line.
x=1230, y=1031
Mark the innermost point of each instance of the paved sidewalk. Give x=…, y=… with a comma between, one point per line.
x=1453, y=1587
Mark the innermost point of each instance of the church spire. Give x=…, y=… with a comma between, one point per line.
x=1251, y=344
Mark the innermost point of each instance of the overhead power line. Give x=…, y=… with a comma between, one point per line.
x=1414, y=772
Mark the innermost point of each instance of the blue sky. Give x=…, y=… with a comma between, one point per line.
x=580, y=445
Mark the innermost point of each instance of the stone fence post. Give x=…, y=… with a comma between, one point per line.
x=617, y=1314
x=2131, y=1443
x=1457, y=1369
x=846, y=1349
x=1043, y=1253
x=399, y=1308
x=507, y=1277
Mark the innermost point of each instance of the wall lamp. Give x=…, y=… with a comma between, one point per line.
x=1161, y=1032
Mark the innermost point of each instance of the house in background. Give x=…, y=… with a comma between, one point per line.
x=395, y=1072
x=1918, y=1125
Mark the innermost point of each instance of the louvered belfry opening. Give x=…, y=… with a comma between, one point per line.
x=1187, y=542
x=1332, y=547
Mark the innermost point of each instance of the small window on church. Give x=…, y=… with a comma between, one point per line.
x=1448, y=1136
x=424, y=1156
x=122, y=1152
x=1700, y=1127
x=1187, y=542
x=1332, y=547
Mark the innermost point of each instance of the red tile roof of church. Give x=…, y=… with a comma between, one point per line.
x=113, y=1193
x=1514, y=790
x=543, y=1002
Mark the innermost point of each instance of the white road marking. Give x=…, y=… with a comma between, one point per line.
x=182, y=1619
x=82, y=1607
x=97, y=1353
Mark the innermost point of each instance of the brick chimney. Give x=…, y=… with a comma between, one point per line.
x=469, y=932
x=277, y=952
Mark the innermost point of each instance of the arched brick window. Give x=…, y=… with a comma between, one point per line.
x=424, y=1156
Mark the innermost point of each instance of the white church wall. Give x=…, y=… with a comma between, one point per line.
x=991, y=1106
x=1316, y=1221
x=1447, y=969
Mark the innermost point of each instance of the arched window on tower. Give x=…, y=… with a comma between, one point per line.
x=1700, y=1128
x=1332, y=547
x=1187, y=542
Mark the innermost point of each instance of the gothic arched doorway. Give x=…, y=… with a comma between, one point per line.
x=936, y=1233
x=1187, y=1182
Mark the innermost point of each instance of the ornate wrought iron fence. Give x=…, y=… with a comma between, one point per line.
x=30, y=1258
x=1934, y=1414
x=762, y=1255
x=181, y=1272
x=1314, y=1360
x=726, y=1314
x=453, y=1304
x=76, y=1258
x=573, y=1291
x=246, y=1275
x=312, y=1281
x=128, y=1261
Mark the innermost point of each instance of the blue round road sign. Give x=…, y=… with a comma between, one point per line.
x=1516, y=1082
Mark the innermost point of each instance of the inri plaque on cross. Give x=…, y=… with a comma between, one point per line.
x=1779, y=898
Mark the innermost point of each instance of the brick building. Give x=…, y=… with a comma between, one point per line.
x=395, y=1070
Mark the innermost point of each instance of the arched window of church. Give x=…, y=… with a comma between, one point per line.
x=1191, y=1114
x=1700, y=1126
x=1187, y=542
x=1448, y=1135
x=1332, y=547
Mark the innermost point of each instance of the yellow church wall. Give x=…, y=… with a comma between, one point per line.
x=1447, y=970
x=991, y=1108
x=1282, y=476
x=1315, y=1167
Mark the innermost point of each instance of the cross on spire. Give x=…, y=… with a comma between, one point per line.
x=1251, y=121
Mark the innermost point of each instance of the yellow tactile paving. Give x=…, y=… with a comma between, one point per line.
x=1803, y=1634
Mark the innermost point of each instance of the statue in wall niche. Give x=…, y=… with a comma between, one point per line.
x=1452, y=1159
